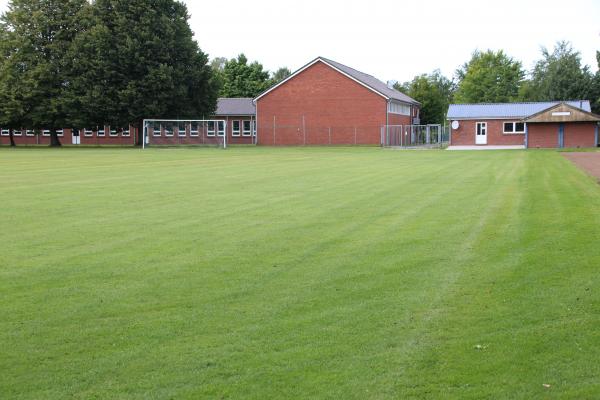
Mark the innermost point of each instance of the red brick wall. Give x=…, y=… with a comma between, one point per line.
x=336, y=110
x=465, y=134
x=576, y=134
x=542, y=135
x=580, y=134
x=237, y=139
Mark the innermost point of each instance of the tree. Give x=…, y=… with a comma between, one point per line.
x=489, y=77
x=595, y=97
x=559, y=75
x=434, y=91
x=280, y=75
x=241, y=79
x=36, y=37
x=137, y=60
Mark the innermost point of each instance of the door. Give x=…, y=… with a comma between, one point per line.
x=75, y=136
x=481, y=133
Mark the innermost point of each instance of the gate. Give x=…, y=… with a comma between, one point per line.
x=414, y=136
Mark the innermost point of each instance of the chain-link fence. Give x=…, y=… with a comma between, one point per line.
x=415, y=136
x=301, y=135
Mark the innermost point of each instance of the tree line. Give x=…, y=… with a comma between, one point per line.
x=495, y=77
x=110, y=62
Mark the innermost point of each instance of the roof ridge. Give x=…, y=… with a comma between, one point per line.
x=517, y=102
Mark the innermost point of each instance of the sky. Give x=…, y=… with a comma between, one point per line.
x=392, y=40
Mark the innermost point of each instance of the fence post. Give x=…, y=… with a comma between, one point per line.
x=304, y=130
x=355, y=135
x=273, y=130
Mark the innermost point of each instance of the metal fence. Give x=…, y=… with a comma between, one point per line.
x=415, y=136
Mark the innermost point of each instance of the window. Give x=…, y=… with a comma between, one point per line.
x=60, y=132
x=125, y=131
x=5, y=132
x=46, y=132
x=156, y=128
x=29, y=132
x=246, y=131
x=210, y=128
x=181, y=127
x=194, y=129
x=168, y=130
x=221, y=128
x=235, y=128
x=100, y=132
x=87, y=132
x=17, y=132
x=399, y=108
x=113, y=132
x=254, y=123
x=514, y=127
x=481, y=128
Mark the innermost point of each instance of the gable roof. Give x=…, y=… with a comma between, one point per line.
x=563, y=112
x=366, y=80
x=508, y=110
x=235, y=106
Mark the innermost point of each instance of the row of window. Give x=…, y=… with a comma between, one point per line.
x=212, y=128
x=75, y=132
x=509, y=128
x=399, y=108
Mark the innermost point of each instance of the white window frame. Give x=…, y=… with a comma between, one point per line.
x=211, y=132
x=245, y=132
x=88, y=132
x=18, y=132
x=399, y=108
x=235, y=132
x=5, y=132
x=483, y=126
x=29, y=132
x=221, y=131
x=169, y=132
x=103, y=130
x=46, y=132
x=113, y=132
x=60, y=132
x=126, y=132
x=194, y=132
x=154, y=133
x=254, y=123
x=514, y=128
x=185, y=125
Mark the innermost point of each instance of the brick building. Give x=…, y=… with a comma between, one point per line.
x=98, y=136
x=326, y=102
x=524, y=125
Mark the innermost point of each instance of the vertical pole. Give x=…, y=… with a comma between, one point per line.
x=596, y=136
x=304, y=129
x=526, y=136
x=143, y=134
x=273, y=130
x=355, y=134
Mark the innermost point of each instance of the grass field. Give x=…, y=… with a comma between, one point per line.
x=339, y=273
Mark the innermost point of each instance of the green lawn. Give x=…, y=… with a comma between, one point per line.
x=339, y=273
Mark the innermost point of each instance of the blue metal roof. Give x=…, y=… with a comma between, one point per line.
x=508, y=110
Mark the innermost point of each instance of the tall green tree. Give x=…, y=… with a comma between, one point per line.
x=37, y=35
x=281, y=74
x=137, y=59
x=434, y=91
x=490, y=76
x=560, y=75
x=241, y=79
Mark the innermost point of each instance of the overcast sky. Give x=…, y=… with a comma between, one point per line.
x=391, y=39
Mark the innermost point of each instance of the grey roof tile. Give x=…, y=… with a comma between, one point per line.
x=235, y=106
x=507, y=110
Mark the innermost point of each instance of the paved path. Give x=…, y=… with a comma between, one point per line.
x=589, y=162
